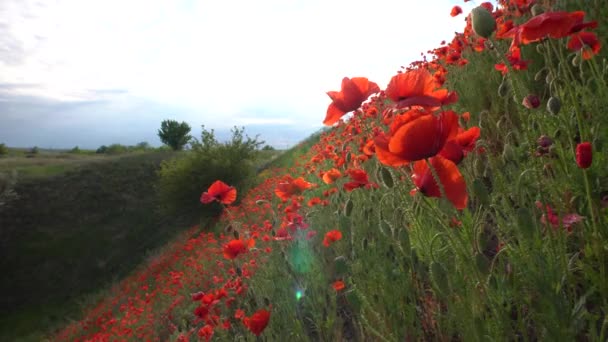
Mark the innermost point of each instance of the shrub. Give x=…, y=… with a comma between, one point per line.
x=184, y=178
x=3, y=150
x=116, y=149
x=102, y=149
x=75, y=150
x=174, y=134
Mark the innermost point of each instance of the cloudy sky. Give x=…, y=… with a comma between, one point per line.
x=93, y=72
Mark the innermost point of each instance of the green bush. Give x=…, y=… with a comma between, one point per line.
x=116, y=149
x=3, y=150
x=184, y=178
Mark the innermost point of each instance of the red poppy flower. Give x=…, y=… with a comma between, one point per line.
x=584, y=155
x=415, y=135
x=456, y=10
x=219, y=191
x=417, y=88
x=331, y=237
x=549, y=24
x=289, y=187
x=449, y=176
x=257, y=322
x=338, y=285
x=233, y=248
x=456, y=148
x=354, y=91
x=587, y=40
x=358, y=178
x=330, y=176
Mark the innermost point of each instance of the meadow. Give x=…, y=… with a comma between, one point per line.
x=466, y=200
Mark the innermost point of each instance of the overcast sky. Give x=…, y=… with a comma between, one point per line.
x=93, y=72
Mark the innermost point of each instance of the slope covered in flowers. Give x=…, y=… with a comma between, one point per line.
x=465, y=200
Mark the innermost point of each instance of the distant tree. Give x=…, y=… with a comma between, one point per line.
x=76, y=149
x=267, y=148
x=116, y=149
x=174, y=134
x=143, y=146
x=3, y=150
x=102, y=149
x=34, y=150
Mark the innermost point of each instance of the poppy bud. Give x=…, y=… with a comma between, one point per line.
x=554, y=105
x=387, y=178
x=483, y=22
x=539, y=75
x=584, y=155
x=544, y=141
x=481, y=192
x=503, y=89
x=549, y=78
x=531, y=101
x=537, y=9
x=348, y=208
x=540, y=48
x=576, y=61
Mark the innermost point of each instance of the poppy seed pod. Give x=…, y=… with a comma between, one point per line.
x=483, y=22
x=584, y=155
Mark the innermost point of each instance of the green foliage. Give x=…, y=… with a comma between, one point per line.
x=102, y=149
x=184, y=178
x=267, y=148
x=174, y=134
x=75, y=150
x=116, y=149
x=3, y=150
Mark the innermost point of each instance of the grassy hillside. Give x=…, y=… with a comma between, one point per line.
x=466, y=201
x=72, y=233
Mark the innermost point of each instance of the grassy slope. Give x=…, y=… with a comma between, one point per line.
x=70, y=234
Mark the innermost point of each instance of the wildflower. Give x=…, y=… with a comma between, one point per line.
x=417, y=88
x=219, y=191
x=450, y=177
x=330, y=176
x=289, y=187
x=359, y=179
x=586, y=41
x=338, y=285
x=550, y=24
x=206, y=332
x=257, y=322
x=584, y=156
x=554, y=220
x=354, y=91
x=331, y=237
x=415, y=135
x=456, y=148
x=456, y=10
x=233, y=248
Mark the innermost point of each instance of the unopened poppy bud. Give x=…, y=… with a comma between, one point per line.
x=540, y=48
x=387, y=178
x=537, y=9
x=503, y=89
x=584, y=156
x=348, y=208
x=539, y=75
x=508, y=154
x=531, y=101
x=481, y=192
x=483, y=22
x=554, y=105
x=549, y=78
x=544, y=141
x=483, y=265
x=576, y=61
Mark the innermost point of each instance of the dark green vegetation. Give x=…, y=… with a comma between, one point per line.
x=209, y=160
x=74, y=223
x=70, y=234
